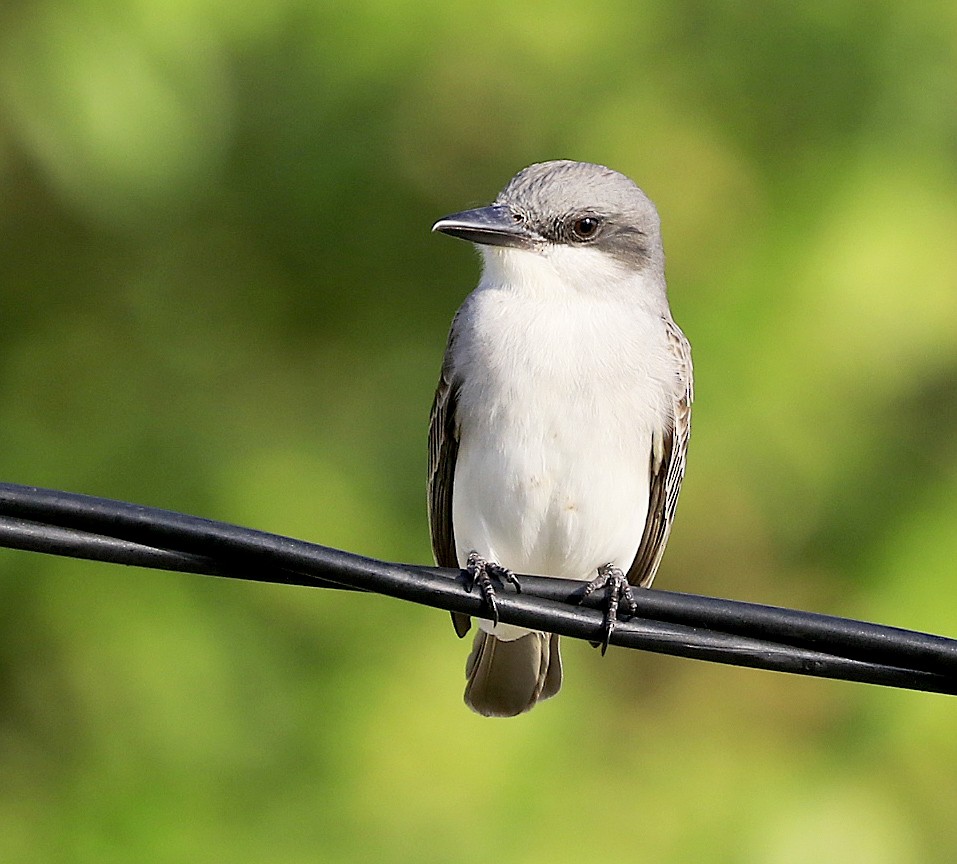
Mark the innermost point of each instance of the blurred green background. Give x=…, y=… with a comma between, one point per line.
x=219, y=294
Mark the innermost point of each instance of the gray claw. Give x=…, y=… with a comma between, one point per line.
x=481, y=573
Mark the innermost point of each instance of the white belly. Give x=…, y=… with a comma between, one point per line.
x=554, y=495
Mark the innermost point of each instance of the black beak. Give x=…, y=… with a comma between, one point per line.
x=495, y=225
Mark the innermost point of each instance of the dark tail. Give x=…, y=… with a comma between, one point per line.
x=508, y=678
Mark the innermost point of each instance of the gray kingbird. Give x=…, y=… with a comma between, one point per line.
x=560, y=424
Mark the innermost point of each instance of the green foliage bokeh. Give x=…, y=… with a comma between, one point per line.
x=219, y=294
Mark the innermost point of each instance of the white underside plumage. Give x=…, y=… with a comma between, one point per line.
x=566, y=389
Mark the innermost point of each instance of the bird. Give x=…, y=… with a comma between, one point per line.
x=559, y=429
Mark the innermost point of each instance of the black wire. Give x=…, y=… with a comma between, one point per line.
x=707, y=628
x=73, y=543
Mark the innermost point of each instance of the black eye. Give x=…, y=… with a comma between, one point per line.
x=586, y=227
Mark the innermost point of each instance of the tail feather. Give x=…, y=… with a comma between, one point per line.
x=506, y=678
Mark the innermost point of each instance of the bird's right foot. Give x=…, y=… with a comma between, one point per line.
x=481, y=573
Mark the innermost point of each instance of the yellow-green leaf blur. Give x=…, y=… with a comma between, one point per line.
x=219, y=295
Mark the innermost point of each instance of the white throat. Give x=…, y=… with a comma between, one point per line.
x=553, y=272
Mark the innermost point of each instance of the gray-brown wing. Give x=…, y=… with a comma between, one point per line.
x=667, y=468
x=443, y=450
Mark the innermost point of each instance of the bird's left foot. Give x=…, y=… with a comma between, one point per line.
x=619, y=596
x=481, y=573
